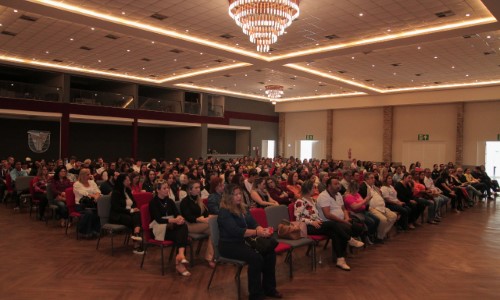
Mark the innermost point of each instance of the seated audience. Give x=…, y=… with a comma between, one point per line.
x=135, y=182
x=260, y=195
x=216, y=191
x=393, y=203
x=59, y=184
x=40, y=188
x=149, y=181
x=405, y=194
x=277, y=193
x=294, y=185
x=85, y=188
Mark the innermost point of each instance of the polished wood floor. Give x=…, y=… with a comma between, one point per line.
x=458, y=259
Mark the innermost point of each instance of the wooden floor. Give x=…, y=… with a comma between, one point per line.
x=458, y=259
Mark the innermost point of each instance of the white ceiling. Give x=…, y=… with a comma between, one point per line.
x=380, y=46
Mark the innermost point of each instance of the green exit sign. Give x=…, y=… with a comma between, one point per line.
x=423, y=137
x=309, y=137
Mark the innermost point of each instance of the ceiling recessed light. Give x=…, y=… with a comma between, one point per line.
x=123, y=13
x=467, y=15
x=71, y=39
x=1, y=25
x=418, y=48
x=453, y=67
x=360, y=14
x=144, y=68
x=92, y=28
x=47, y=52
x=201, y=53
x=488, y=37
x=388, y=30
x=373, y=66
x=394, y=73
x=15, y=10
x=99, y=60
x=352, y=57
x=152, y=42
x=435, y=57
x=187, y=30
x=317, y=44
x=466, y=75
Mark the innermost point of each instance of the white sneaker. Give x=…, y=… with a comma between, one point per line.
x=341, y=264
x=355, y=243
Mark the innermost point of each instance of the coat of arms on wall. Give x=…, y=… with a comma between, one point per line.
x=38, y=141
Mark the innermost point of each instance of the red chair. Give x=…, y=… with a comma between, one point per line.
x=8, y=184
x=259, y=214
x=205, y=201
x=148, y=239
x=316, y=238
x=142, y=198
x=71, y=205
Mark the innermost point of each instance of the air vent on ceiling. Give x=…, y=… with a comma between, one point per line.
x=158, y=16
x=187, y=68
x=322, y=84
x=437, y=82
x=293, y=78
x=28, y=18
x=418, y=74
x=390, y=86
x=258, y=70
x=488, y=52
x=227, y=75
x=444, y=14
x=261, y=82
x=85, y=48
x=113, y=69
x=367, y=52
x=9, y=33
x=342, y=71
x=368, y=80
x=272, y=49
x=111, y=36
x=176, y=51
x=146, y=59
x=468, y=36
x=290, y=88
x=57, y=60
x=218, y=60
x=226, y=36
x=396, y=64
x=332, y=36
x=152, y=75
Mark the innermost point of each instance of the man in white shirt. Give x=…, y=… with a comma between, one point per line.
x=252, y=175
x=331, y=208
x=437, y=194
x=377, y=207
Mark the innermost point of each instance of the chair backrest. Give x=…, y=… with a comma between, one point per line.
x=70, y=199
x=275, y=214
x=291, y=211
x=142, y=198
x=259, y=214
x=213, y=225
x=104, y=208
x=205, y=201
x=145, y=220
x=50, y=195
x=23, y=182
x=32, y=188
x=8, y=182
x=178, y=205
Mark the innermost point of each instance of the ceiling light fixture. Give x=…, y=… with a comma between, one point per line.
x=274, y=91
x=264, y=20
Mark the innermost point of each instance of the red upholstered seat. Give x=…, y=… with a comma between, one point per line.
x=142, y=198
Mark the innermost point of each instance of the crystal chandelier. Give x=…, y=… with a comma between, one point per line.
x=263, y=20
x=274, y=92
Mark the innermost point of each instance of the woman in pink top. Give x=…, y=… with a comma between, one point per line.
x=356, y=205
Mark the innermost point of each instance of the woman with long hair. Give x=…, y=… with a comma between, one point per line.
x=235, y=223
x=196, y=215
x=40, y=188
x=124, y=210
x=260, y=195
x=149, y=181
x=58, y=186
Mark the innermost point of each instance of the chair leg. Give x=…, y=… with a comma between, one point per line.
x=198, y=249
x=212, y=276
x=238, y=281
x=326, y=244
x=144, y=255
x=66, y=224
x=313, y=256
x=112, y=245
x=290, y=261
x=191, y=255
x=172, y=252
x=98, y=240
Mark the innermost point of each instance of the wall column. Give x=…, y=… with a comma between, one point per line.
x=329, y=134
x=387, y=135
x=281, y=135
x=135, y=138
x=64, y=135
x=459, y=150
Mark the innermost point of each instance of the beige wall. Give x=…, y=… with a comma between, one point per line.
x=298, y=125
x=439, y=121
x=481, y=124
x=360, y=130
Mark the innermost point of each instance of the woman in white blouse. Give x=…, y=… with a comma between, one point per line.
x=89, y=225
x=393, y=203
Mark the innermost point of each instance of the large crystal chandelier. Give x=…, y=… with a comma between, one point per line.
x=274, y=92
x=263, y=20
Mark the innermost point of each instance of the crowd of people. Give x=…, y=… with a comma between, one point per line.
x=355, y=203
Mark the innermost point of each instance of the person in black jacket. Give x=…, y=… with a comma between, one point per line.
x=164, y=211
x=405, y=194
x=196, y=214
x=124, y=209
x=235, y=223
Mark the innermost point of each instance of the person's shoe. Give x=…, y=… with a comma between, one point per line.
x=341, y=264
x=136, y=237
x=181, y=270
x=378, y=241
x=432, y=222
x=411, y=226
x=275, y=294
x=355, y=243
x=138, y=250
x=16, y=208
x=437, y=220
x=367, y=240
